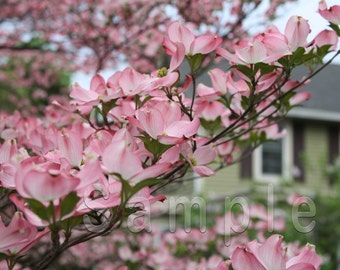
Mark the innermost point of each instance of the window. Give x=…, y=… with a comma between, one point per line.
x=272, y=160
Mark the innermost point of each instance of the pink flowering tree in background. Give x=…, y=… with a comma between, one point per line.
x=82, y=169
x=43, y=42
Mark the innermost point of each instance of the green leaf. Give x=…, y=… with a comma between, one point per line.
x=317, y=56
x=245, y=102
x=211, y=125
x=141, y=103
x=285, y=62
x=285, y=100
x=245, y=70
x=262, y=137
x=195, y=61
x=107, y=106
x=68, y=203
x=131, y=210
x=4, y=256
x=297, y=56
x=336, y=28
x=39, y=209
x=154, y=146
x=126, y=191
x=71, y=222
x=264, y=68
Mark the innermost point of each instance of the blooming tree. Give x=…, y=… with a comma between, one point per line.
x=197, y=248
x=43, y=41
x=79, y=171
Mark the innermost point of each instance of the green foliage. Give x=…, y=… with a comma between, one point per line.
x=326, y=233
x=195, y=61
x=336, y=28
x=154, y=146
x=42, y=211
x=35, y=42
x=68, y=204
x=24, y=75
x=211, y=125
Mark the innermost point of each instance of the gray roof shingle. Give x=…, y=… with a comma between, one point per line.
x=324, y=87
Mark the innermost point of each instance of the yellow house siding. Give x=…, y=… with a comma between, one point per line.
x=315, y=154
x=226, y=181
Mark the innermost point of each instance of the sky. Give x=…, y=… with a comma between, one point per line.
x=308, y=10
x=305, y=8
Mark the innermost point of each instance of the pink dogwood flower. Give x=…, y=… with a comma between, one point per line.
x=299, y=98
x=246, y=52
x=85, y=99
x=18, y=236
x=207, y=105
x=331, y=14
x=120, y=158
x=164, y=121
x=326, y=37
x=199, y=159
x=10, y=158
x=44, y=180
x=182, y=41
x=270, y=255
x=297, y=30
x=269, y=46
x=71, y=147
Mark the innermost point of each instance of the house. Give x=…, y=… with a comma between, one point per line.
x=299, y=160
x=301, y=157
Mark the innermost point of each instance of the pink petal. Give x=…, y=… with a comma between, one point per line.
x=98, y=85
x=203, y=170
x=332, y=14
x=151, y=172
x=302, y=266
x=297, y=30
x=254, y=53
x=270, y=253
x=118, y=158
x=307, y=255
x=82, y=94
x=71, y=147
x=204, y=154
x=178, y=33
x=205, y=44
x=178, y=57
x=152, y=122
x=243, y=260
x=7, y=173
x=218, y=79
x=326, y=37
x=299, y=98
x=183, y=128
x=45, y=187
x=229, y=56
x=129, y=81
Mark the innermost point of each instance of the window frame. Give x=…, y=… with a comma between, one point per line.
x=287, y=160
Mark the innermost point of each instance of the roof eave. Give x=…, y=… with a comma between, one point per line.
x=312, y=114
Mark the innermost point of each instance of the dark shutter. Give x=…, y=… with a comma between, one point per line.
x=333, y=148
x=333, y=143
x=298, y=151
x=246, y=164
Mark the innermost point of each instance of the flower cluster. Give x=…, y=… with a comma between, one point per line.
x=102, y=156
x=222, y=246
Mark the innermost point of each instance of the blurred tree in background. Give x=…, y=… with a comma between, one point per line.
x=42, y=43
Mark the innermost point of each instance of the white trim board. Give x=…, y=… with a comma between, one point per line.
x=312, y=114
